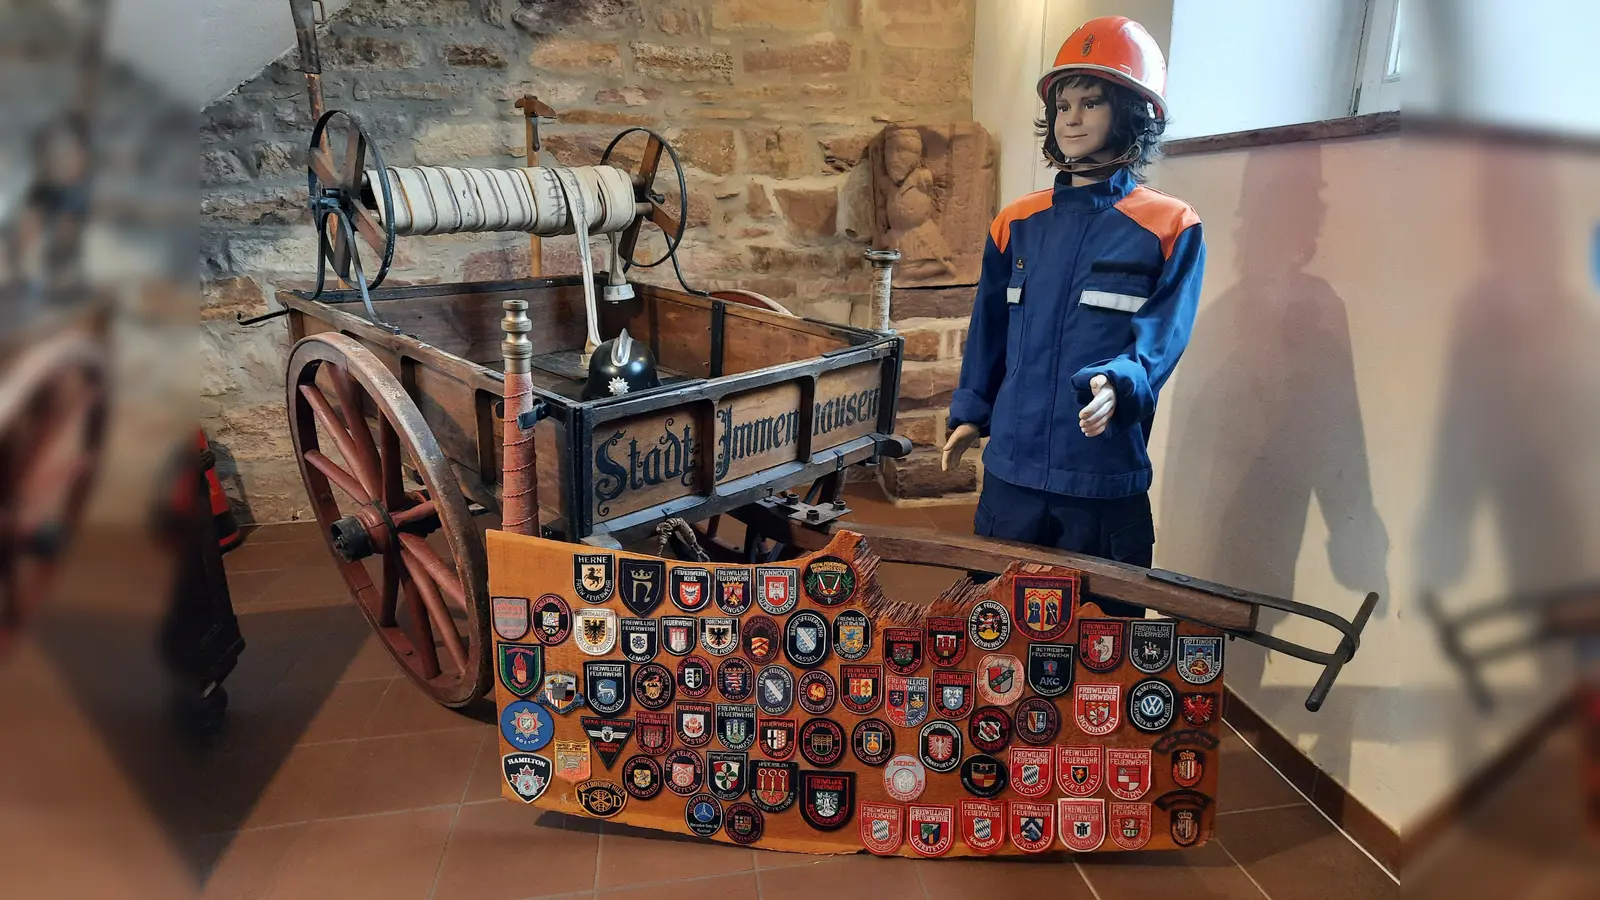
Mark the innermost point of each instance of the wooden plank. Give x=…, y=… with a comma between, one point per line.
x=847, y=404
x=755, y=342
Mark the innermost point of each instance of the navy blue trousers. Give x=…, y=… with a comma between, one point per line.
x=1120, y=528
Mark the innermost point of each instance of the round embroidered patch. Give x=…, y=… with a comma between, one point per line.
x=652, y=686
x=989, y=729
x=759, y=639
x=822, y=742
x=552, y=619
x=745, y=823
x=817, y=692
x=989, y=625
x=1000, y=679
x=683, y=771
x=904, y=778
x=694, y=677
x=641, y=777
x=805, y=639
x=852, y=635
x=984, y=776
x=601, y=799
x=526, y=726
x=872, y=741
x=1152, y=705
x=830, y=581
x=735, y=679
x=703, y=813
x=939, y=746
x=775, y=690
x=1037, y=721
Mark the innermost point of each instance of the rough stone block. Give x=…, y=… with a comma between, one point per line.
x=497, y=265
x=222, y=167
x=361, y=51
x=921, y=77
x=925, y=380
x=811, y=212
x=937, y=303
x=274, y=160
x=553, y=16
x=676, y=19
x=452, y=143
x=794, y=15
x=604, y=117
x=923, y=344
x=628, y=96
x=707, y=149
x=925, y=429
x=841, y=152
x=918, y=476
x=779, y=151
x=577, y=56
x=672, y=62
x=928, y=24
x=272, y=206
x=757, y=204
x=221, y=300
x=409, y=13
x=824, y=57
x=473, y=56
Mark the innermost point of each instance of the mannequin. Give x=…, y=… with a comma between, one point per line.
x=1085, y=303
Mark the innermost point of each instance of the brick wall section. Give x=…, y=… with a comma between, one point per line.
x=770, y=102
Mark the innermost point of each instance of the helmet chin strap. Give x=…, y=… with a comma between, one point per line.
x=1088, y=168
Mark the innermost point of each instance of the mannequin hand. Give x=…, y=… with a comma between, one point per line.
x=1092, y=419
x=956, y=446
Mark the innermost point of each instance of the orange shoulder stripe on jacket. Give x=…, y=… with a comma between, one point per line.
x=1020, y=208
x=1163, y=215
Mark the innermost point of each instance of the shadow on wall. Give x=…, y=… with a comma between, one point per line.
x=1266, y=419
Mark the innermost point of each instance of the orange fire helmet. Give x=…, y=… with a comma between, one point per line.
x=1117, y=48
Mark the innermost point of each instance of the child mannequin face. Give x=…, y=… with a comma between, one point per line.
x=1083, y=120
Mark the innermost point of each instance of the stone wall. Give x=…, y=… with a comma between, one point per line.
x=770, y=102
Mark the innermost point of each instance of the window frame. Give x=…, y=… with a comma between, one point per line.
x=1378, y=69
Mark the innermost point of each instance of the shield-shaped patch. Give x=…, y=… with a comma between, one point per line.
x=690, y=587
x=775, y=690
x=1130, y=825
x=759, y=638
x=830, y=581
x=719, y=635
x=947, y=640
x=1150, y=643
x=990, y=729
x=694, y=723
x=652, y=686
x=1042, y=607
x=1127, y=772
x=852, y=634
x=596, y=630
x=1033, y=825
x=726, y=773
x=677, y=635
x=736, y=679
x=561, y=692
x=1000, y=679
x=1100, y=644
x=736, y=725
x=1199, y=659
x=642, y=584
x=939, y=746
x=872, y=741
x=592, y=576
x=777, y=589
x=733, y=590
x=1188, y=766
x=773, y=784
x=827, y=799
x=639, y=639
x=983, y=824
x=882, y=827
x=526, y=774
x=605, y=687
x=510, y=617
x=608, y=737
x=930, y=830
x=1050, y=669
x=552, y=619
x=572, y=760
x=989, y=625
x=683, y=771
x=863, y=688
x=806, y=639
x=1097, y=708
x=1198, y=709
x=521, y=667
x=1031, y=768
x=1083, y=823
x=526, y=725
x=653, y=732
x=908, y=700
x=1184, y=809
x=777, y=737
x=694, y=677
x=902, y=650
x=822, y=742
x=1079, y=770
x=954, y=691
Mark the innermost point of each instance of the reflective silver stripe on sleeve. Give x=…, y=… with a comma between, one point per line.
x=1105, y=300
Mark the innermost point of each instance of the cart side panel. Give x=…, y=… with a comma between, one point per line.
x=645, y=460
x=754, y=341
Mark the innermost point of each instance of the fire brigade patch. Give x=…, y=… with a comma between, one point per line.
x=908, y=701
x=1186, y=738
x=1199, y=659
x=572, y=760
x=526, y=726
x=653, y=732
x=1188, y=767
x=984, y=776
x=1127, y=772
x=510, y=617
x=601, y=799
x=607, y=737
x=777, y=737
x=852, y=634
x=683, y=772
x=693, y=723
x=1033, y=825
x=805, y=639
x=955, y=692
x=1152, y=705
x=605, y=687
x=1097, y=707
x=719, y=635
x=1184, y=810
x=775, y=690
x=640, y=640
x=904, y=778
x=1037, y=721
x=1050, y=669
x=641, y=777
x=694, y=678
x=989, y=729
x=1150, y=643
x=988, y=625
x=902, y=650
x=1000, y=679
x=930, y=830
x=830, y=581
x=1130, y=825
x=521, y=667
x=773, y=785
x=863, y=688
x=642, y=584
x=939, y=746
x=596, y=630
x=1043, y=607
x=527, y=775
x=1100, y=644
x=882, y=827
x=759, y=638
x=827, y=799
x=822, y=742
x=947, y=640
x=745, y=824
x=726, y=773
x=1198, y=709
x=777, y=589
x=1031, y=770
x=872, y=741
x=736, y=679
x=677, y=635
x=816, y=692
x=592, y=576
x=703, y=814
x=689, y=587
x=983, y=824
x=561, y=692
x=552, y=619
x=652, y=686
x=736, y=726
x=1083, y=823
x=733, y=590
x=1079, y=770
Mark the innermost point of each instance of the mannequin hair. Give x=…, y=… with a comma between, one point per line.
x=1134, y=123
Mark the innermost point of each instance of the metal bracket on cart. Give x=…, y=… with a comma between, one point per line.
x=789, y=504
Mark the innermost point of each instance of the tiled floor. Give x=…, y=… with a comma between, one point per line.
x=335, y=778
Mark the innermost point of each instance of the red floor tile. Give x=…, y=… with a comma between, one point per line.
x=860, y=875
x=507, y=851
x=722, y=887
x=407, y=772
x=633, y=856
x=389, y=857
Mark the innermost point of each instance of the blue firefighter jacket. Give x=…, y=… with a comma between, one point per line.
x=1078, y=282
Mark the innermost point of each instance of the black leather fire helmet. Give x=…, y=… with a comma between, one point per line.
x=620, y=366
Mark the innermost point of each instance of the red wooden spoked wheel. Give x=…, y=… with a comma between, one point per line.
x=52, y=420
x=392, y=514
